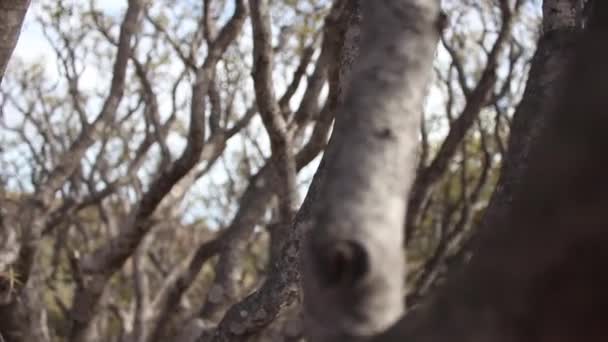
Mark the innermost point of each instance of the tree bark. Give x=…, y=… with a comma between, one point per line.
x=12, y=14
x=353, y=258
x=554, y=49
x=533, y=273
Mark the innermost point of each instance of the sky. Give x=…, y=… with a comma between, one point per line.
x=33, y=47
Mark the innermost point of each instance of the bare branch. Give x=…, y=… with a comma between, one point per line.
x=477, y=99
x=110, y=257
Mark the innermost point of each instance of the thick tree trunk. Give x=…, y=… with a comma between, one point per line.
x=535, y=271
x=353, y=258
x=12, y=13
x=555, y=48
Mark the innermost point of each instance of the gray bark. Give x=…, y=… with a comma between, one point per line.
x=353, y=257
x=533, y=269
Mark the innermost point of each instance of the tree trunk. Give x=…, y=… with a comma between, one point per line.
x=535, y=270
x=12, y=13
x=353, y=257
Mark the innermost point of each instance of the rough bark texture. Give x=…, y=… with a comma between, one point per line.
x=354, y=265
x=12, y=13
x=534, y=274
x=559, y=14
